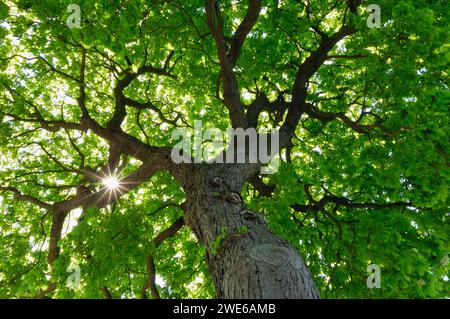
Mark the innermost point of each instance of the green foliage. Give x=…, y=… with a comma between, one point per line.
x=224, y=233
x=402, y=79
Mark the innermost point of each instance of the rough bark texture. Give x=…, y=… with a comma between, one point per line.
x=245, y=259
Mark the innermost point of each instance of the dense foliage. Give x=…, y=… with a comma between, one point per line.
x=365, y=182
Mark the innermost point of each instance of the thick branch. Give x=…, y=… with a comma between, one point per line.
x=128, y=77
x=261, y=103
x=55, y=235
x=106, y=293
x=231, y=90
x=169, y=232
x=82, y=98
x=150, y=281
x=306, y=70
x=244, y=29
x=150, y=264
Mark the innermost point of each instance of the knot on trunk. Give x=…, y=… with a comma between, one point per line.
x=216, y=182
x=253, y=217
x=231, y=197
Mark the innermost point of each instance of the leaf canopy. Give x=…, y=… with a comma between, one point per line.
x=375, y=136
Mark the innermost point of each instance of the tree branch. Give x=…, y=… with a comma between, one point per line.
x=120, y=99
x=340, y=201
x=66, y=75
x=306, y=70
x=150, y=281
x=230, y=87
x=150, y=264
x=313, y=112
x=244, y=29
x=82, y=97
x=169, y=232
x=27, y=198
x=106, y=293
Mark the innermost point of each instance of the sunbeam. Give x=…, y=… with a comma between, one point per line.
x=111, y=182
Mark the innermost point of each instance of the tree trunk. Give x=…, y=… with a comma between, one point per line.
x=245, y=259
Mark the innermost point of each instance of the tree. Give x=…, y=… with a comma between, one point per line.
x=88, y=177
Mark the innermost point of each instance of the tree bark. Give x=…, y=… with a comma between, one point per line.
x=246, y=260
